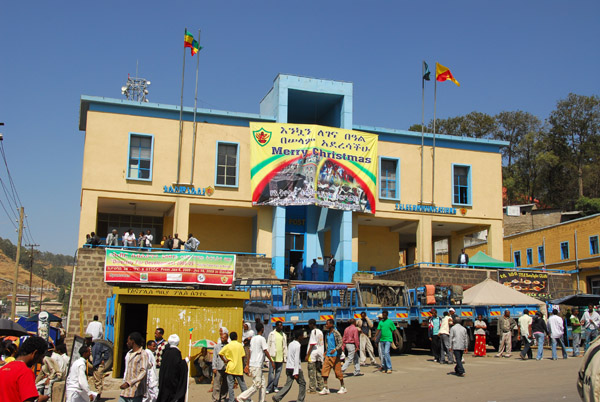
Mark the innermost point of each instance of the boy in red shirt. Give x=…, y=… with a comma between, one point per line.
x=17, y=381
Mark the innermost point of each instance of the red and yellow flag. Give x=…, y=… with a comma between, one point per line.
x=443, y=74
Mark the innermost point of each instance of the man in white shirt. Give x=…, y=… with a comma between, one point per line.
x=591, y=323
x=293, y=370
x=524, y=325
x=128, y=238
x=94, y=328
x=314, y=357
x=77, y=387
x=557, y=330
x=149, y=238
x=446, y=356
x=151, y=376
x=254, y=364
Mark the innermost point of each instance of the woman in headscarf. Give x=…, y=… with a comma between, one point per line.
x=173, y=375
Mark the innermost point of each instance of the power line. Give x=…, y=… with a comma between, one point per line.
x=13, y=196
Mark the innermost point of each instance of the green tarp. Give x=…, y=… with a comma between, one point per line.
x=481, y=259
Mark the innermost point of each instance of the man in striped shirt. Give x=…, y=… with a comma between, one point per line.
x=136, y=363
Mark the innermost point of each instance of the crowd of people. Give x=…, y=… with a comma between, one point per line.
x=157, y=371
x=144, y=241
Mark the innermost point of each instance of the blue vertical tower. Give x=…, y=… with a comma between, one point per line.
x=305, y=100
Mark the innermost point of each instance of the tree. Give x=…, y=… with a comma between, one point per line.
x=511, y=127
x=575, y=123
x=479, y=125
x=588, y=206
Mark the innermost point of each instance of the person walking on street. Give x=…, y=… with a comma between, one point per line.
x=232, y=354
x=133, y=387
x=173, y=375
x=277, y=345
x=385, y=333
x=576, y=331
x=557, y=331
x=100, y=355
x=539, y=330
x=151, y=377
x=434, y=334
x=459, y=342
x=256, y=358
x=366, y=347
x=591, y=323
x=160, y=345
x=293, y=370
x=220, y=388
x=506, y=324
x=480, y=341
x=351, y=343
x=314, y=357
x=524, y=326
x=333, y=348
x=77, y=387
x=445, y=353
x=95, y=329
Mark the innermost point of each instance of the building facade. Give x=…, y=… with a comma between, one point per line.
x=139, y=173
x=569, y=246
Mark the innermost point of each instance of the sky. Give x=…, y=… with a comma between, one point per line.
x=510, y=55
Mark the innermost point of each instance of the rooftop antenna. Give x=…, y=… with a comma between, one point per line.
x=136, y=89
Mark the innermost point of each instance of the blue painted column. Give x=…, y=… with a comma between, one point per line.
x=278, y=248
x=312, y=247
x=346, y=268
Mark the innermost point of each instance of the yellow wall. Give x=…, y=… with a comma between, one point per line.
x=222, y=233
x=176, y=315
x=108, y=134
x=377, y=247
x=554, y=235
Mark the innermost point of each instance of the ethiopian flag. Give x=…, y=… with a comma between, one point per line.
x=443, y=74
x=192, y=43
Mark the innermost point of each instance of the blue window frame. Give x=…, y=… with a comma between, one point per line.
x=529, y=255
x=540, y=254
x=389, y=178
x=517, y=255
x=139, y=161
x=227, y=164
x=594, y=245
x=461, y=185
x=564, y=250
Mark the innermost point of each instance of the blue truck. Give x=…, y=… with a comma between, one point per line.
x=409, y=309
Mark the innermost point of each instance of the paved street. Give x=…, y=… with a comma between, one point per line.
x=417, y=378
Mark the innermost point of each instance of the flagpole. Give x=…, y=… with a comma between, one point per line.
x=434, y=121
x=422, y=122
x=181, y=116
x=195, y=107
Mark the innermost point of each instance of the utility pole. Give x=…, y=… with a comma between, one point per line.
x=30, y=277
x=13, y=308
x=42, y=289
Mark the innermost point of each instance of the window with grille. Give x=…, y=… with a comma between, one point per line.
x=140, y=157
x=227, y=164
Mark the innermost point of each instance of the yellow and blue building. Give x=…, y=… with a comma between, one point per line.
x=137, y=174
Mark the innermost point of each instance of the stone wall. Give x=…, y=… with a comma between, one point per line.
x=251, y=267
x=559, y=285
x=89, y=286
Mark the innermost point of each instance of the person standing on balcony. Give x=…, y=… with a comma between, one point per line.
x=331, y=272
x=192, y=243
x=112, y=239
x=463, y=258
